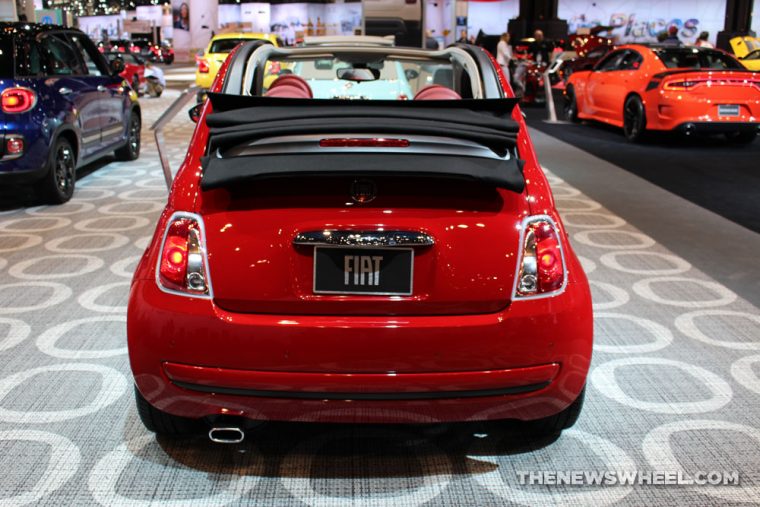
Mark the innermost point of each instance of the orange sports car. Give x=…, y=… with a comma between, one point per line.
x=656, y=87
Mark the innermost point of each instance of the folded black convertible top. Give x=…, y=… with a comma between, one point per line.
x=240, y=120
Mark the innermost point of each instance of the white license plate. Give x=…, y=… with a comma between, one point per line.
x=728, y=110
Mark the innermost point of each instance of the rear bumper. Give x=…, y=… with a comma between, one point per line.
x=362, y=386
x=716, y=127
x=676, y=111
x=193, y=359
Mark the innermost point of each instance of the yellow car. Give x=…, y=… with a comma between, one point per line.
x=218, y=49
x=747, y=50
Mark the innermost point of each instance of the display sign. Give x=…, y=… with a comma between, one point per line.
x=643, y=20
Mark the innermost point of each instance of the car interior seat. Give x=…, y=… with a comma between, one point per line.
x=290, y=85
x=436, y=92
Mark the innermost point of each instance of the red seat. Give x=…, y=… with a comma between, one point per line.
x=291, y=81
x=437, y=92
x=287, y=91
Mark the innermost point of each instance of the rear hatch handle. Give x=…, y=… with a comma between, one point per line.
x=364, y=238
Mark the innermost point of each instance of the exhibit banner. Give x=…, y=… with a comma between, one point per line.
x=258, y=15
x=491, y=17
x=642, y=20
x=101, y=27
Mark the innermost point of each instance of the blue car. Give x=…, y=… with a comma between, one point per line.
x=63, y=106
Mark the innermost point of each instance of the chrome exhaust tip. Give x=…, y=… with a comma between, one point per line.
x=226, y=435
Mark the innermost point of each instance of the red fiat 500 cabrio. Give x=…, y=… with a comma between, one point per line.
x=336, y=260
x=688, y=89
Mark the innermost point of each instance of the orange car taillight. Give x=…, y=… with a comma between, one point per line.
x=18, y=100
x=682, y=85
x=183, y=264
x=541, y=270
x=203, y=67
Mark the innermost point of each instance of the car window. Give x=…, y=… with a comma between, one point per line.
x=631, y=61
x=60, y=58
x=693, y=58
x=225, y=45
x=610, y=62
x=755, y=55
x=597, y=52
x=88, y=54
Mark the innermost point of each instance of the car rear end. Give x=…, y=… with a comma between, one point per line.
x=23, y=146
x=390, y=292
x=702, y=91
x=216, y=53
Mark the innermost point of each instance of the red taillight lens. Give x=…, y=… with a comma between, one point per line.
x=203, y=67
x=681, y=85
x=14, y=146
x=135, y=49
x=18, y=100
x=542, y=268
x=363, y=143
x=182, y=266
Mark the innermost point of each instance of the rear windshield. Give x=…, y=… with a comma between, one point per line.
x=6, y=57
x=691, y=58
x=225, y=45
x=388, y=78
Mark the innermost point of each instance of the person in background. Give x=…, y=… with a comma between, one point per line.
x=702, y=41
x=430, y=42
x=155, y=80
x=463, y=37
x=540, y=49
x=504, y=54
x=672, y=38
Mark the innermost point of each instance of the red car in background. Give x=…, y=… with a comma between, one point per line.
x=368, y=261
x=667, y=88
x=134, y=69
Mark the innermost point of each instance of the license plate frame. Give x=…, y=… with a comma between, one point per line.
x=333, y=264
x=729, y=110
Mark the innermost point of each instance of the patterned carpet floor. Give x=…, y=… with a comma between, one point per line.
x=674, y=386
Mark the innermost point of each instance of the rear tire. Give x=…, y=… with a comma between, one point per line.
x=742, y=137
x=634, y=119
x=60, y=178
x=571, y=105
x=161, y=423
x=554, y=424
x=131, y=150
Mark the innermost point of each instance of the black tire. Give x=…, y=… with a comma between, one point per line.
x=742, y=137
x=60, y=179
x=634, y=119
x=131, y=150
x=554, y=424
x=161, y=423
x=571, y=105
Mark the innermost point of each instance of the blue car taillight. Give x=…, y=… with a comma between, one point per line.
x=18, y=100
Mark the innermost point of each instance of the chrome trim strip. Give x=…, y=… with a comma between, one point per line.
x=386, y=239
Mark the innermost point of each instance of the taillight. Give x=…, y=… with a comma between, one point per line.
x=541, y=271
x=682, y=85
x=18, y=100
x=183, y=265
x=363, y=142
x=203, y=67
